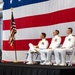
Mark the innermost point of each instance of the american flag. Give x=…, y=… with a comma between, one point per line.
x=33, y=17
x=12, y=31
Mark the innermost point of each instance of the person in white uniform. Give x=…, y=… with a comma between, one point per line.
x=60, y=53
x=55, y=43
x=43, y=44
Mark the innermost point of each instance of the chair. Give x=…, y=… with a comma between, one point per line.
x=70, y=56
x=26, y=56
x=27, y=53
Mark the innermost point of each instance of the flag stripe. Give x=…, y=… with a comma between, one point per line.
x=22, y=44
x=30, y=33
x=11, y=54
x=39, y=8
x=42, y=20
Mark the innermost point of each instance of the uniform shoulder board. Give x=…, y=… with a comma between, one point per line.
x=58, y=36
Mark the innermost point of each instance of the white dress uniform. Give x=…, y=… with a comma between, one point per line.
x=66, y=47
x=55, y=43
x=43, y=44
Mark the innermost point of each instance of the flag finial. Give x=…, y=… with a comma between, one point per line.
x=12, y=9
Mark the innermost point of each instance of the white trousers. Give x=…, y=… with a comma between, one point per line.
x=31, y=56
x=60, y=55
x=34, y=49
x=47, y=53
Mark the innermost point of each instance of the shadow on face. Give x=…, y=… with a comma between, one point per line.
x=55, y=33
x=68, y=31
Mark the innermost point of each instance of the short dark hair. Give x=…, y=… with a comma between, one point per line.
x=44, y=34
x=57, y=31
x=70, y=29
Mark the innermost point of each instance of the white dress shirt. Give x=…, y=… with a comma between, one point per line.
x=69, y=41
x=55, y=43
x=43, y=44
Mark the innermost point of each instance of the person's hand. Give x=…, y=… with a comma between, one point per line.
x=37, y=46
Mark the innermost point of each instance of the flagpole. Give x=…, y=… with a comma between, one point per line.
x=14, y=45
x=15, y=51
